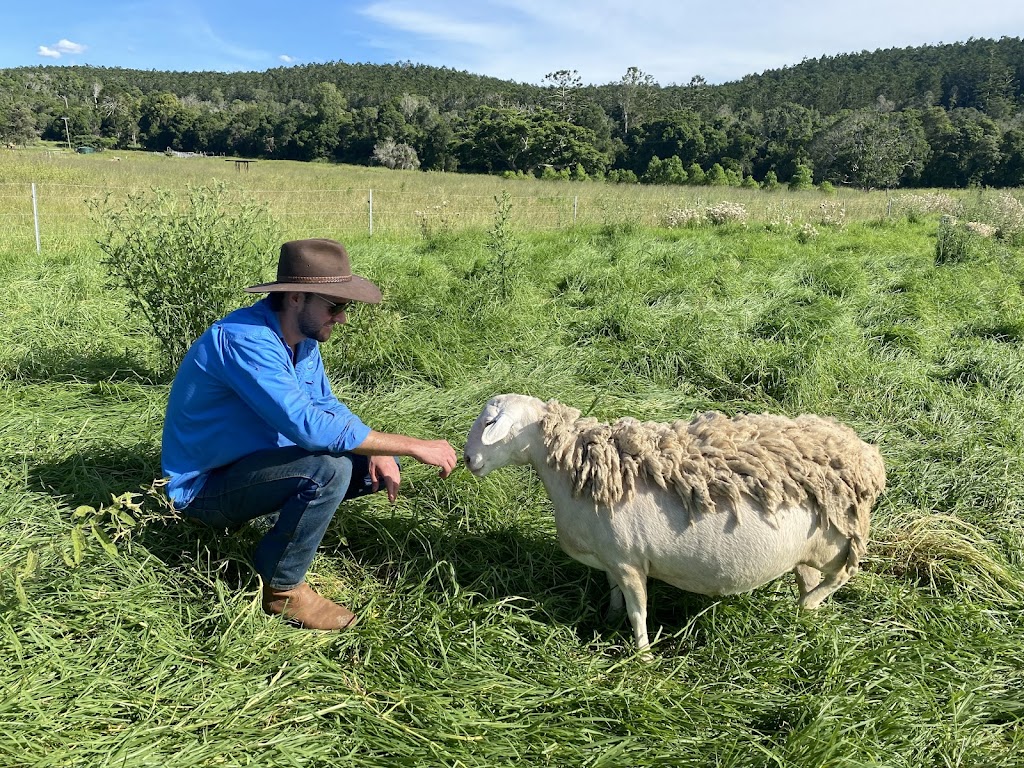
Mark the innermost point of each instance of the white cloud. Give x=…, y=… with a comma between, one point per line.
x=437, y=26
x=668, y=39
x=61, y=47
x=287, y=59
x=66, y=46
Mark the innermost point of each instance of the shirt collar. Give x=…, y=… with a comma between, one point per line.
x=306, y=346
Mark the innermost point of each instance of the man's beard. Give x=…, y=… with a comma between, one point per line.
x=312, y=329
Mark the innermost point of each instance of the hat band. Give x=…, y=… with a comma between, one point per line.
x=296, y=279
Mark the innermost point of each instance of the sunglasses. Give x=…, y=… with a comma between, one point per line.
x=337, y=307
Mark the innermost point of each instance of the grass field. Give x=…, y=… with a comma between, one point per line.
x=320, y=196
x=481, y=643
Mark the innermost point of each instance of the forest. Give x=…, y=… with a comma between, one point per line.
x=945, y=115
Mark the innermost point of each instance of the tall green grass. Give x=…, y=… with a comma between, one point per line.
x=481, y=642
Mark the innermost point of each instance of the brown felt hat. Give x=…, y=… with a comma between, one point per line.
x=319, y=266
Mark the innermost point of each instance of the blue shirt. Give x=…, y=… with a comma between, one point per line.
x=238, y=391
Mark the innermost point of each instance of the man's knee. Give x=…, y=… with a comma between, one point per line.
x=330, y=472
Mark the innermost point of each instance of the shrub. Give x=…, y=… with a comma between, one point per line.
x=718, y=214
x=683, y=217
x=668, y=171
x=622, y=176
x=183, y=263
x=726, y=213
x=771, y=182
x=500, y=273
x=801, y=179
x=1005, y=214
x=695, y=175
x=578, y=173
x=716, y=176
x=806, y=233
x=437, y=226
x=956, y=242
x=833, y=214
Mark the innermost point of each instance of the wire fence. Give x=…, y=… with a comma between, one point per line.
x=43, y=214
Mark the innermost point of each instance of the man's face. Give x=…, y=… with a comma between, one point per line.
x=318, y=316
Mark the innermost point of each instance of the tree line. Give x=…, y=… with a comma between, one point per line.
x=948, y=115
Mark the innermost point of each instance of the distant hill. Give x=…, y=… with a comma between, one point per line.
x=413, y=115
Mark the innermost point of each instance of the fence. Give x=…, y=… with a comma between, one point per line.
x=47, y=214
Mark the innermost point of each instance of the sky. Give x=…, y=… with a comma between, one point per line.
x=518, y=40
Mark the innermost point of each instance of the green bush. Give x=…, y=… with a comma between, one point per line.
x=184, y=262
x=771, y=182
x=802, y=179
x=621, y=176
x=716, y=176
x=695, y=175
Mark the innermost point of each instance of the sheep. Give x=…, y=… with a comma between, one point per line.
x=715, y=506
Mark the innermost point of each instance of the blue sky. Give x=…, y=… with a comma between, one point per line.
x=520, y=40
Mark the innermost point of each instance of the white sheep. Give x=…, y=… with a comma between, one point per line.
x=716, y=505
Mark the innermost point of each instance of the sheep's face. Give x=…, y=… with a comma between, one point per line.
x=496, y=438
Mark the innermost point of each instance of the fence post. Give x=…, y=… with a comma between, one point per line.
x=35, y=215
x=371, y=212
x=575, y=207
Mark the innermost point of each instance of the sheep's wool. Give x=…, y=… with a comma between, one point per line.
x=766, y=460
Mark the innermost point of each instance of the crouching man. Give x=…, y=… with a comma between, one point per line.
x=252, y=427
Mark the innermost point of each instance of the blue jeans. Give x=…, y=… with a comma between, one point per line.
x=304, y=487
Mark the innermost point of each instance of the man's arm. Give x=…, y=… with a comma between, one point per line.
x=438, y=453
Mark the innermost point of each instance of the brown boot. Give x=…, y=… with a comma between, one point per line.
x=306, y=608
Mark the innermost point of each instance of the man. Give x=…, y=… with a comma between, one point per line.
x=253, y=429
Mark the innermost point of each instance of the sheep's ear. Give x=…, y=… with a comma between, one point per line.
x=498, y=429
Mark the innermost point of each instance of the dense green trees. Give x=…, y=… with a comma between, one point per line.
x=946, y=115
x=867, y=148
x=496, y=140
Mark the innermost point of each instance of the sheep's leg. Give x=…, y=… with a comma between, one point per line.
x=829, y=584
x=836, y=572
x=633, y=585
x=616, y=602
x=807, y=578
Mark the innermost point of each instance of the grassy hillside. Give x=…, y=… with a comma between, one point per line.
x=481, y=642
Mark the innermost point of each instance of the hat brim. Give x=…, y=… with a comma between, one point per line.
x=356, y=289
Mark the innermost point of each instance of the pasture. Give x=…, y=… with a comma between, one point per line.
x=481, y=643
